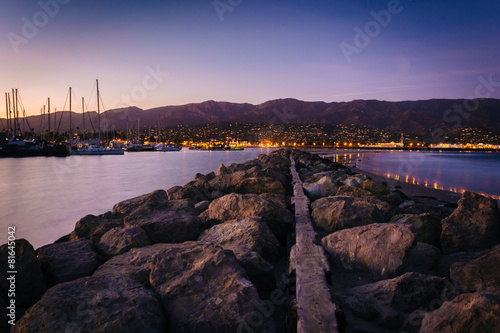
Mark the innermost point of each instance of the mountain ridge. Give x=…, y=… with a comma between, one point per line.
x=405, y=116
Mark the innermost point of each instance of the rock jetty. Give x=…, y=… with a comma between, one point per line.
x=287, y=242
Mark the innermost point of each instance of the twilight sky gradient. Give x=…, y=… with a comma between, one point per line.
x=261, y=50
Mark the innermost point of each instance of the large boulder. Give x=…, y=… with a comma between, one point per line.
x=386, y=204
x=259, y=271
x=310, y=164
x=93, y=227
x=354, y=180
x=388, y=302
x=353, y=191
x=259, y=185
x=379, y=250
x=281, y=201
x=283, y=177
x=135, y=264
x=477, y=312
x=473, y=226
x=222, y=170
x=29, y=281
x=120, y=240
x=152, y=202
x=375, y=188
x=196, y=191
x=277, y=160
x=185, y=204
x=203, y=289
x=95, y=304
x=168, y=226
x=202, y=206
x=237, y=206
x=207, y=177
x=227, y=183
x=447, y=260
x=423, y=258
x=340, y=176
x=324, y=187
x=68, y=261
x=163, y=220
x=412, y=207
x=251, y=233
x=482, y=273
x=429, y=228
x=336, y=213
x=317, y=176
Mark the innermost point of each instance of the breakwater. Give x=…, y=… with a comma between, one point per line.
x=282, y=243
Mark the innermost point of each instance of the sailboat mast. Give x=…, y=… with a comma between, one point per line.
x=48, y=112
x=127, y=130
x=14, y=125
x=11, y=122
x=43, y=123
x=17, y=113
x=98, y=111
x=14, y=111
x=40, y=128
x=83, y=116
x=70, y=125
x=7, y=112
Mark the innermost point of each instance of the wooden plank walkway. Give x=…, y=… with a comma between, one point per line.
x=315, y=309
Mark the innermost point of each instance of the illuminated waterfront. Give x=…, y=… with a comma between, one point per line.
x=450, y=171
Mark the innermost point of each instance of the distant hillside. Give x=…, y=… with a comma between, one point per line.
x=408, y=116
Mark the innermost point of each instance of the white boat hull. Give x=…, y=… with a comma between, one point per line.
x=101, y=151
x=168, y=149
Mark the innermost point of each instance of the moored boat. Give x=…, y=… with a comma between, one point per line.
x=136, y=147
x=97, y=150
x=17, y=147
x=167, y=147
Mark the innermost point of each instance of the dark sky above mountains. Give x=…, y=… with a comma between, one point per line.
x=154, y=53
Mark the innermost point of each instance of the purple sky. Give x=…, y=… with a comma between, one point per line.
x=249, y=51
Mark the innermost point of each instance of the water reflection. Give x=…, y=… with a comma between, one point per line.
x=477, y=172
x=451, y=171
x=45, y=196
x=435, y=184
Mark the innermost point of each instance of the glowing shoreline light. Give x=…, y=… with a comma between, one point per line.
x=347, y=159
x=435, y=185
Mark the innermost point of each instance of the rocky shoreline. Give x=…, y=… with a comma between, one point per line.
x=214, y=256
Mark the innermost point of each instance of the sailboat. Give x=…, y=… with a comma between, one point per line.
x=136, y=145
x=165, y=146
x=14, y=144
x=94, y=149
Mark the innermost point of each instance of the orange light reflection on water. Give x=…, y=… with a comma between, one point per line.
x=435, y=185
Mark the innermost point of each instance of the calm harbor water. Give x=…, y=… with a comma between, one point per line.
x=452, y=171
x=45, y=196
